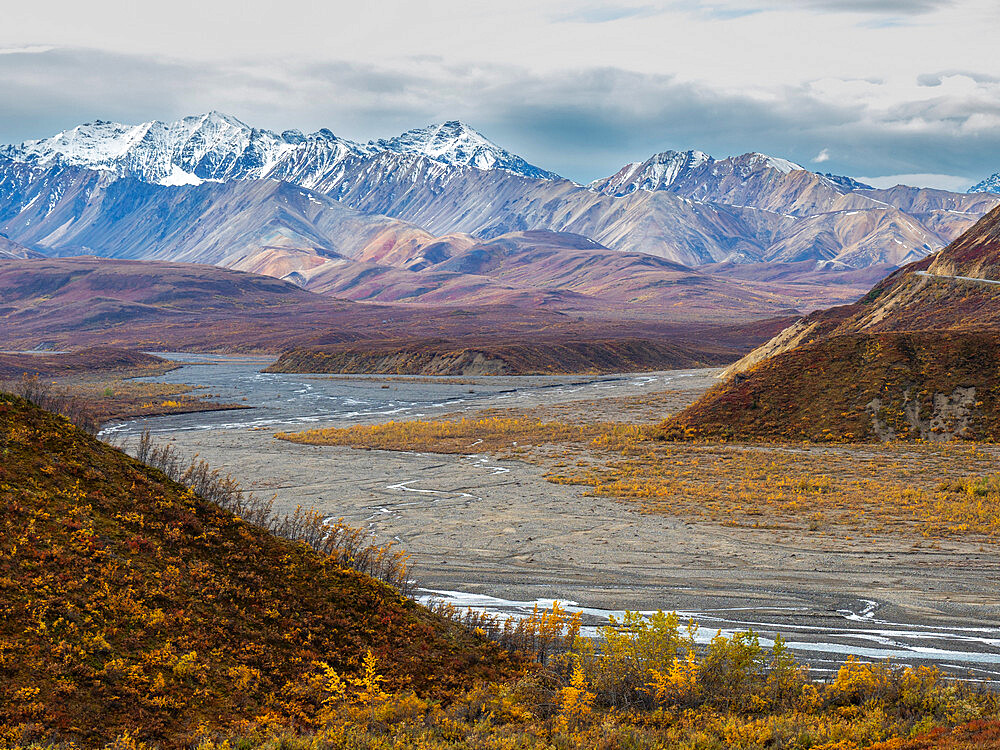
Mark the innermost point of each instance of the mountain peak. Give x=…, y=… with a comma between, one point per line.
x=658, y=172
x=459, y=144
x=457, y=125
x=990, y=185
x=756, y=159
x=209, y=146
x=215, y=117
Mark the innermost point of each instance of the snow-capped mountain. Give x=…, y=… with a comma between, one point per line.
x=681, y=171
x=216, y=146
x=658, y=172
x=848, y=183
x=990, y=185
x=455, y=143
x=213, y=146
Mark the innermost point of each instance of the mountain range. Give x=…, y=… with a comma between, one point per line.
x=216, y=146
x=407, y=219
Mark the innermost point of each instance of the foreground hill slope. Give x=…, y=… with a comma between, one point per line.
x=916, y=357
x=127, y=603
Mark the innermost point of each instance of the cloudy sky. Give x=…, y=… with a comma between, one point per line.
x=889, y=90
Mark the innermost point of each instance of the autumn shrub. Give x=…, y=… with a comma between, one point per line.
x=47, y=395
x=349, y=547
x=131, y=604
x=982, y=486
x=912, y=692
x=528, y=714
x=576, y=702
x=542, y=634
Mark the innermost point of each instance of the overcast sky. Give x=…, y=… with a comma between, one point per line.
x=890, y=90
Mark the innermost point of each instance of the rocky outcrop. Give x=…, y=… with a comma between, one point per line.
x=949, y=416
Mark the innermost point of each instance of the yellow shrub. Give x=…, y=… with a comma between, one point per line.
x=575, y=700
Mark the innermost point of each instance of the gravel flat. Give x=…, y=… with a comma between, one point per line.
x=494, y=534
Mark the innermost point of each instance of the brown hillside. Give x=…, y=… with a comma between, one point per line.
x=128, y=603
x=920, y=296
x=852, y=387
x=506, y=358
x=923, y=296
x=93, y=360
x=976, y=253
x=916, y=357
x=155, y=306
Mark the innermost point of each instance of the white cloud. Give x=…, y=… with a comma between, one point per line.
x=822, y=156
x=34, y=49
x=583, y=124
x=890, y=86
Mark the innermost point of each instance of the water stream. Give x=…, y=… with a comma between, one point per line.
x=284, y=401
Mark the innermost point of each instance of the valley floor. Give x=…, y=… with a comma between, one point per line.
x=495, y=533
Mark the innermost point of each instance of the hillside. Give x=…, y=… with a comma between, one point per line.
x=976, y=254
x=504, y=357
x=154, y=306
x=105, y=360
x=79, y=302
x=130, y=604
x=10, y=249
x=916, y=357
x=562, y=271
x=930, y=385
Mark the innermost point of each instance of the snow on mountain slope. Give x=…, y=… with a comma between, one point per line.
x=217, y=146
x=848, y=183
x=213, y=146
x=990, y=185
x=772, y=162
x=658, y=172
x=688, y=172
x=70, y=211
x=457, y=144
